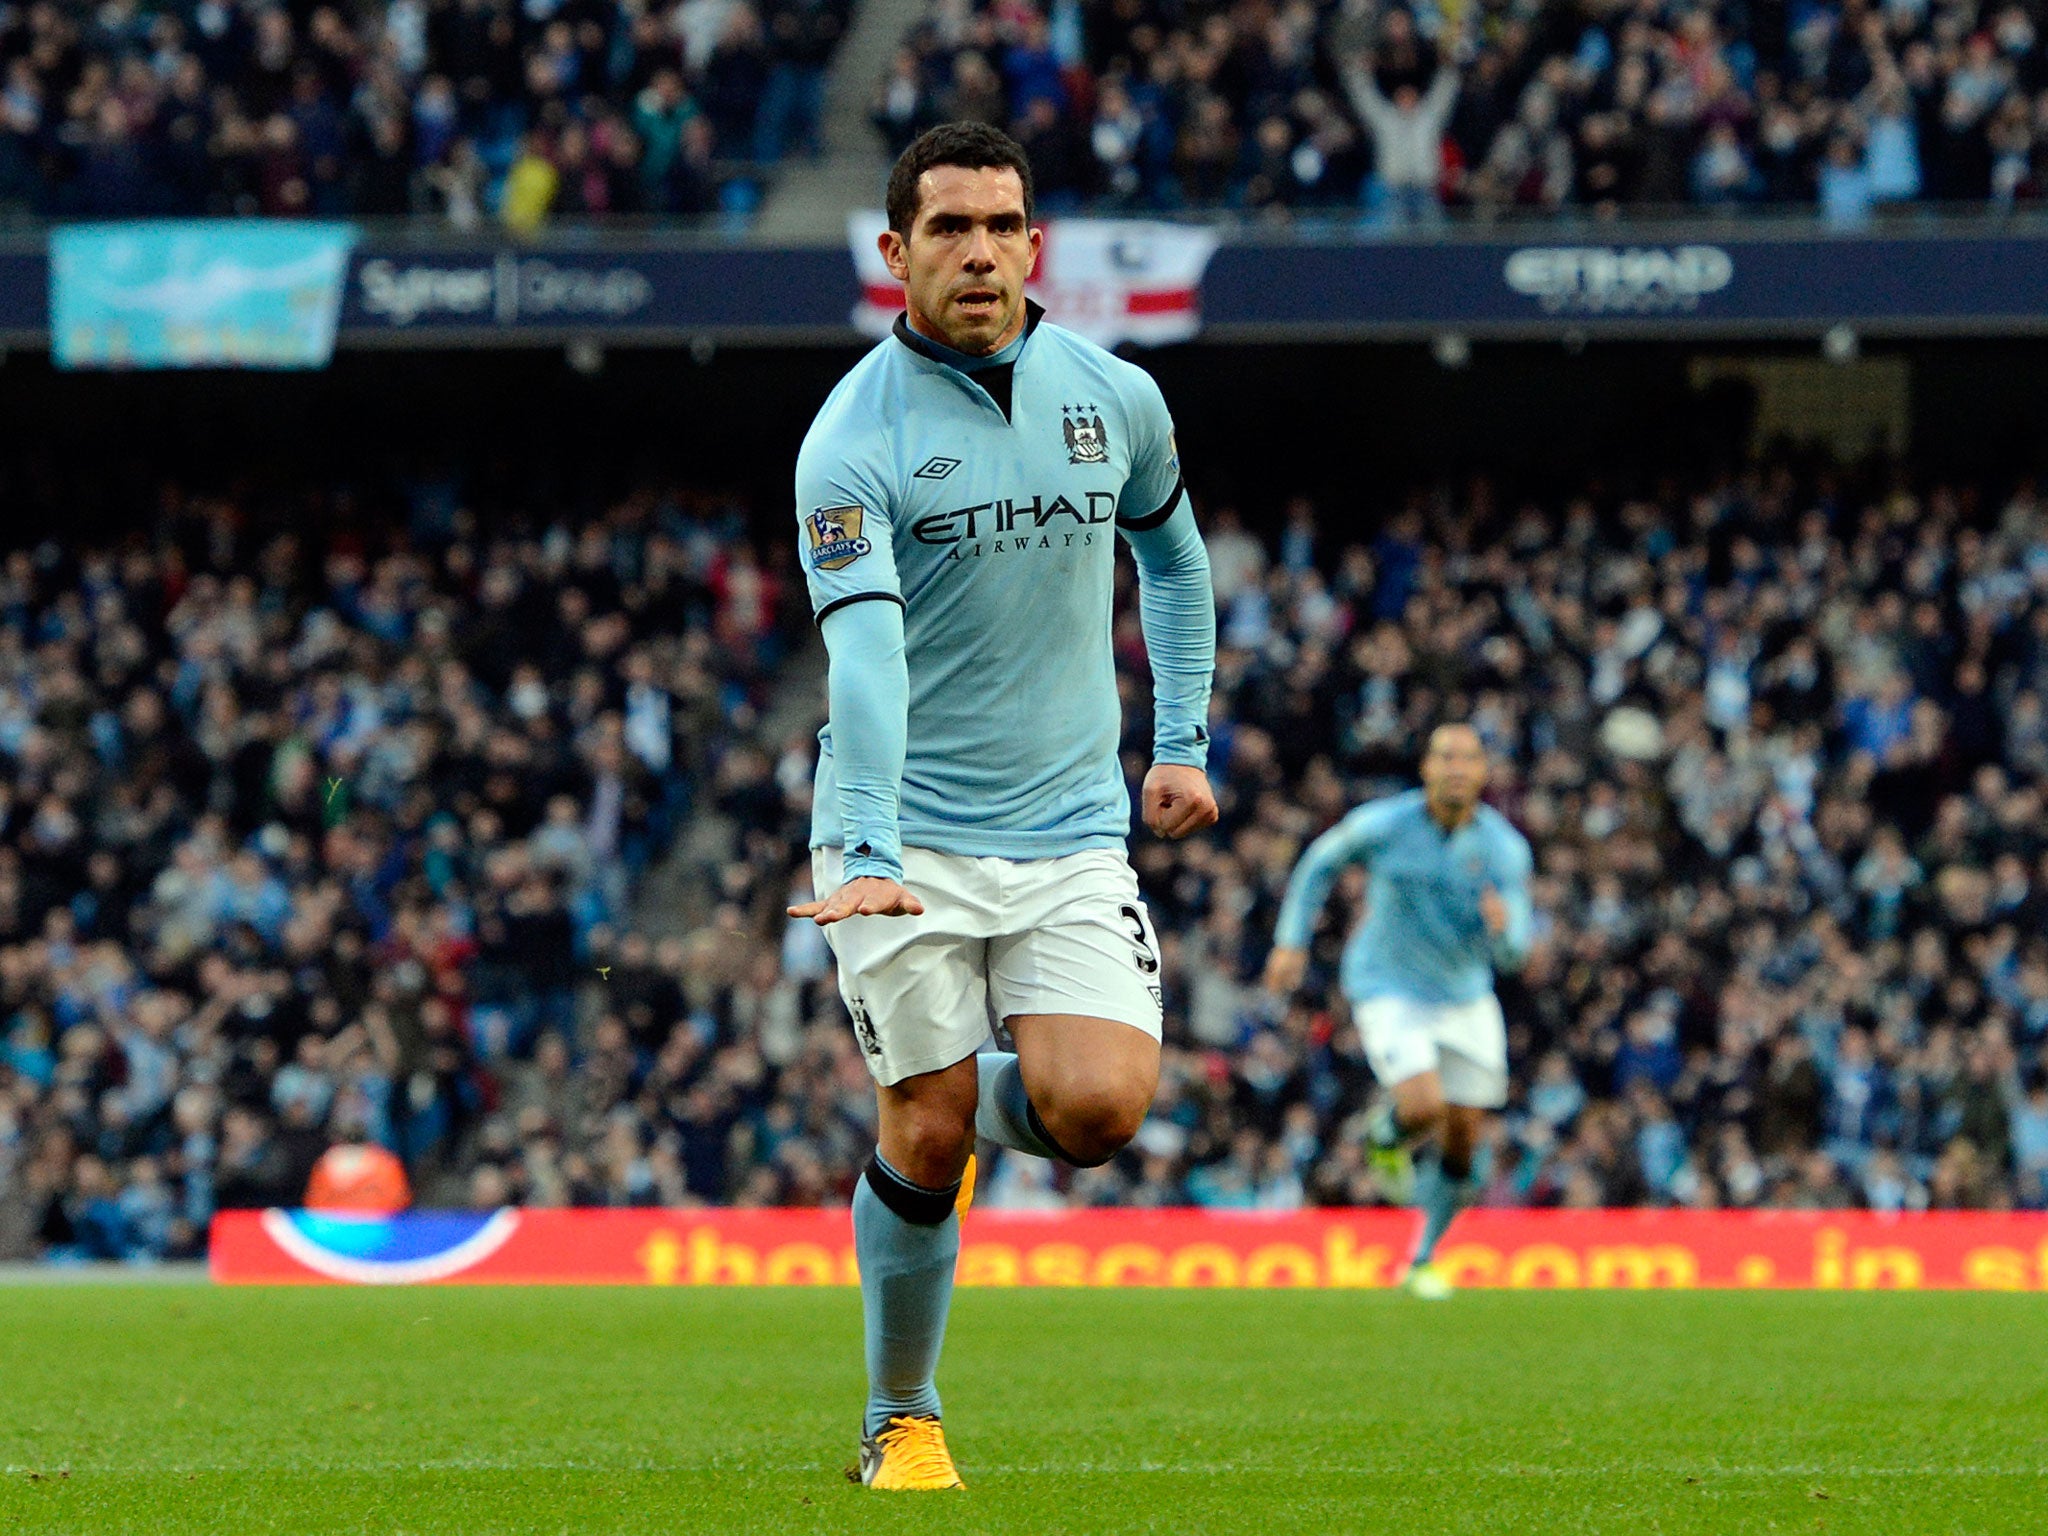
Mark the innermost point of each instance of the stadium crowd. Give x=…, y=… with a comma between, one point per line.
x=308, y=839
x=1277, y=108
x=482, y=109
x=467, y=109
x=1782, y=751
x=303, y=836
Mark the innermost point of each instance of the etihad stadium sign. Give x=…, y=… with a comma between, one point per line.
x=1610, y=280
x=1351, y=1249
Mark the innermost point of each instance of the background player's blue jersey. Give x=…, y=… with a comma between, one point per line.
x=997, y=534
x=1423, y=937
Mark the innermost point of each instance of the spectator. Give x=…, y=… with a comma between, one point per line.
x=1407, y=136
x=802, y=35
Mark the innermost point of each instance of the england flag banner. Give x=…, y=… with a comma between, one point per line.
x=1111, y=280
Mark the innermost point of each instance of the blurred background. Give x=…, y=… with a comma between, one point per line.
x=408, y=742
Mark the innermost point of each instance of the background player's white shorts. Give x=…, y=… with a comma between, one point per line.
x=999, y=937
x=1465, y=1044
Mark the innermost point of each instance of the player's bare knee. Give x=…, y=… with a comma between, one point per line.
x=1093, y=1124
x=929, y=1146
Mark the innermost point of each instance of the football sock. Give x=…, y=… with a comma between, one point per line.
x=1441, y=1198
x=906, y=1238
x=1005, y=1116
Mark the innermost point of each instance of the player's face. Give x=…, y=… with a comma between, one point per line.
x=1454, y=768
x=968, y=254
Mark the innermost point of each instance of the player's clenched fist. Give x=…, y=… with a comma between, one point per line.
x=1285, y=967
x=869, y=896
x=1493, y=912
x=1178, y=800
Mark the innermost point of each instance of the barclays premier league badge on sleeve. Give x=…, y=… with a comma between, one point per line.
x=835, y=538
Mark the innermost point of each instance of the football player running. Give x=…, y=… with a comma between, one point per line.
x=959, y=499
x=1447, y=907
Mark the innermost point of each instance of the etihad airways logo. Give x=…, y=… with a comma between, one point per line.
x=1009, y=525
x=1601, y=280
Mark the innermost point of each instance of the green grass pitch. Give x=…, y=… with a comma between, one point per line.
x=164, y=1410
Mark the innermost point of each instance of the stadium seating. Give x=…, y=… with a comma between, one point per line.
x=468, y=109
x=306, y=834
x=476, y=109
x=1278, y=110
x=335, y=833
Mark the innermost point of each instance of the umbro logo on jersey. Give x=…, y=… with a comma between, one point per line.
x=936, y=469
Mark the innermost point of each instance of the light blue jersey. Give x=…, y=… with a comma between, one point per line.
x=1423, y=937
x=996, y=532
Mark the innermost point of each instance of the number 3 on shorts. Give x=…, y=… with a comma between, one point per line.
x=1144, y=952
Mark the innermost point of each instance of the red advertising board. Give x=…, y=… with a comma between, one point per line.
x=1337, y=1248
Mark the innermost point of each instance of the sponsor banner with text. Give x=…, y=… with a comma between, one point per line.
x=1641, y=280
x=1153, y=281
x=601, y=288
x=1569, y=1250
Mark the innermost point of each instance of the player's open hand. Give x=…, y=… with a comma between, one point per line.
x=1284, y=969
x=869, y=896
x=1177, y=800
x=1493, y=911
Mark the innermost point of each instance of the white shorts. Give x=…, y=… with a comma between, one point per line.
x=1465, y=1044
x=998, y=938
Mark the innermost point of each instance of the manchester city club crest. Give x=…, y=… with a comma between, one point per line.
x=1087, y=442
x=835, y=538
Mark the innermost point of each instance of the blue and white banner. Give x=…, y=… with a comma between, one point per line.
x=197, y=294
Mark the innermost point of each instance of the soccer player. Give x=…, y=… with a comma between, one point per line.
x=1447, y=907
x=959, y=497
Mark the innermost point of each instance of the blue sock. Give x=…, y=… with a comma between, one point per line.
x=906, y=1287
x=1441, y=1198
x=1005, y=1116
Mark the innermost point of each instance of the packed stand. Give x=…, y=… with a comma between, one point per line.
x=1781, y=748
x=311, y=837
x=1280, y=109
x=315, y=845
x=470, y=110
x=1782, y=751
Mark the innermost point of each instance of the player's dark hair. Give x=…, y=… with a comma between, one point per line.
x=971, y=146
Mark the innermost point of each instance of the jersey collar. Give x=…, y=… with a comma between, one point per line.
x=963, y=362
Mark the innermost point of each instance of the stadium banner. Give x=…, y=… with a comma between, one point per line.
x=1558, y=1250
x=24, y=292
x=652, y=292
x=1685, y=281
x=1111, y=280
x=1154, y=281
x=197, y=293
